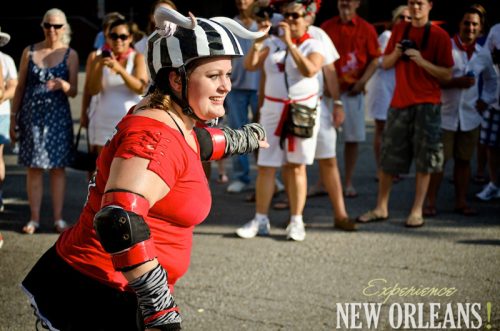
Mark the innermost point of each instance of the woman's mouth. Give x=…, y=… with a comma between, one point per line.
x=217, y=100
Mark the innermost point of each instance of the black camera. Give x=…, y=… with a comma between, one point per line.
x=407, y=44
x=106, y=53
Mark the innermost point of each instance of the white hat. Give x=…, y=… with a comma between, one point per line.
x=4, y=38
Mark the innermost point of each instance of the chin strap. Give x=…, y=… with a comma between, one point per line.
x=183, y=101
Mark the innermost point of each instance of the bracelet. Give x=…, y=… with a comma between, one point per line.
x=256, y=47
x=338, y=103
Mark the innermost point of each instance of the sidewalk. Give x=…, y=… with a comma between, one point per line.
x=273, y=284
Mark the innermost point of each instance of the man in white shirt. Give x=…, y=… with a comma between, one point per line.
x=461, y=107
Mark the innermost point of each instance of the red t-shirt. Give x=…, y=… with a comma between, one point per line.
x=413, y=84
x=171, y=220
x=357, y=44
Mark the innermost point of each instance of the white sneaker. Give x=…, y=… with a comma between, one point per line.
x=236, y=187
x=296, y=231
x=254, y=228
x=489, y=192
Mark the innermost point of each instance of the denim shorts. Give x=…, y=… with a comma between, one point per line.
x=412, y=133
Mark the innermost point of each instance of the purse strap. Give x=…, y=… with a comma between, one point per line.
x=78, y=134
x=286, y=77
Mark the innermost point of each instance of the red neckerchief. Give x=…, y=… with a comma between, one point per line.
x=298, y=41
x=124, y=55
x=469, y=49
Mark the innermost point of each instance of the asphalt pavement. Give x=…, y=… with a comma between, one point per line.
x=324, y=283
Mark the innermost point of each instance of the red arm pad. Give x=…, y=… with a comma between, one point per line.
x=218, y=143
x=127, y=200
x=137, y=254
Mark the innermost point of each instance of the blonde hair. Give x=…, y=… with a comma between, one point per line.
x=398, y=11
x=66, y=36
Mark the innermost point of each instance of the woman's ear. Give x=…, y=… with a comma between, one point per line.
x=175, y=81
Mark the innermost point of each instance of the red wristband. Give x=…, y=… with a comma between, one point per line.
x=137, y=254
x=218, y=143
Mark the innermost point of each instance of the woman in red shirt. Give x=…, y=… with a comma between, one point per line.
x=110, y=270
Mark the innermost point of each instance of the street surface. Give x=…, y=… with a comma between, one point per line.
x=268, y=283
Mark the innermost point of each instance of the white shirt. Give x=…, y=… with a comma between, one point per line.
x=458, y=104
x=9, y=72
x=299, y=86
x=331, y=54
x=492, y=42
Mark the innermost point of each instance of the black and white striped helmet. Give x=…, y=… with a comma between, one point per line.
x=179, y=39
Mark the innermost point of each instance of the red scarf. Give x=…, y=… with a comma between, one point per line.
x=298, y=41
x=469, y=49
x=124, y=55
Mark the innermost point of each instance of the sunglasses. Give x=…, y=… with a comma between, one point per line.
x=55, y=26
x=115, y=36
x=294, y=16
x=404, y=17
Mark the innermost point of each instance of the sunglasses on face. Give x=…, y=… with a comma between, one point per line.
x=55, y=26
x=404, y=17
x=115, y=36
x=294, y=16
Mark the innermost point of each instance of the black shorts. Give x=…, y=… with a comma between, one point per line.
x=65, y=299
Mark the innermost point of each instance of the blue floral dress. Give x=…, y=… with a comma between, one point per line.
x=45, y=123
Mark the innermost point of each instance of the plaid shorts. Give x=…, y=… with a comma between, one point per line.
x=412, y=133
x=490, y=128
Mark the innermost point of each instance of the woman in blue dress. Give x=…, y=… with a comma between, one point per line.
x=48, y=75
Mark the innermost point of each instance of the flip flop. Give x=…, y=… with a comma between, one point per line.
x=314, y=191
x=466, y=211
x=350, y=192
x=429, y=211
x=414, y=221
x=371, y=216
x=31, y=227
x=281, y=205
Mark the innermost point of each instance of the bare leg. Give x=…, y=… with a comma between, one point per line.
x=34, y=188
x=297, y=190
x=377, y=140
x=350, y=155
x=264, y=189
x=384, y=192
x=57, y=188
x=421, y=185
x=329, y=173
x=432, y=192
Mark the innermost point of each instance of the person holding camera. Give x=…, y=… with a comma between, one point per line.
x=421, y=54
x=290, y=63
x=462, y=108
x=119, y=77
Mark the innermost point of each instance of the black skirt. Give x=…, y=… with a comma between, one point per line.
x=65, y=299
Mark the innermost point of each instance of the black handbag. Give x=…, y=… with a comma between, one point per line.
x=300, y=119
x=84, y=161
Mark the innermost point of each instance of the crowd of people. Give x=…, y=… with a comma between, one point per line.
x=150, y=102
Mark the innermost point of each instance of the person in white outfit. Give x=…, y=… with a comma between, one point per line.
x=380, y=87
x=119, y=77
x=8, y=83
x=301, y=58
x=490, y=127
x=461, y=107
x=332, y=116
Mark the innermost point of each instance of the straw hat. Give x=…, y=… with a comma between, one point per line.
x=4, y=38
